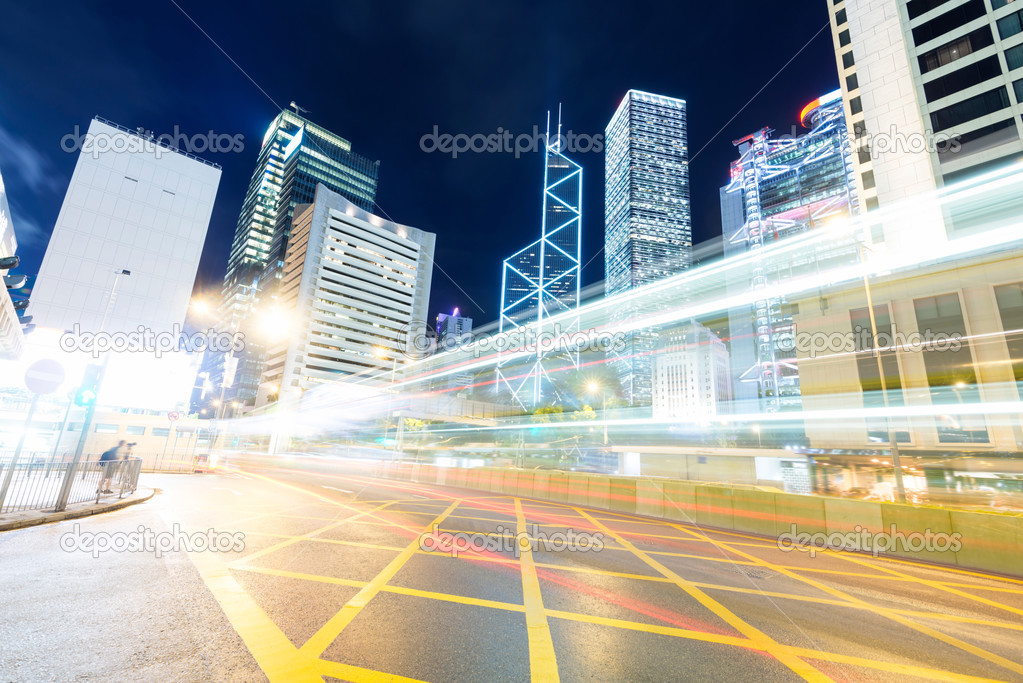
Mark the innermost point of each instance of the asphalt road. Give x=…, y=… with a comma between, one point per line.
x=325, y=577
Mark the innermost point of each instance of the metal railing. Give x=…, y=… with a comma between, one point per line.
x=38, y=481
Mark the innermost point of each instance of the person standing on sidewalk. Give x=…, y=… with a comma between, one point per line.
x=109, y=462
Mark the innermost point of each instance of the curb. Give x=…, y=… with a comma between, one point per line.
x=77, y=513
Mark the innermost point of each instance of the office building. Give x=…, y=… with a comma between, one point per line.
x=453, y=330
x=126, y=245
x=541, y=282
x=11, y=336
x=692, y=382
x=647, y=221
x=932, y=91
x=296, y=155
x=779, y=187
x=353, y=287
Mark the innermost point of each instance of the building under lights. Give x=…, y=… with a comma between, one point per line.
x=540, y=282
x=780, y=186
x=296, y=155
x=691, y=378
x=126, y=245
x=354, y=287
x=915, y=74
x=647, y=221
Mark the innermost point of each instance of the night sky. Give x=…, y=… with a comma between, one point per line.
x=382, y=74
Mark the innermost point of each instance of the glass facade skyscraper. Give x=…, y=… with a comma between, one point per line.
x=647, y=222
x=296, y=155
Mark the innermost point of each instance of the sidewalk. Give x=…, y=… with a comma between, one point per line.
x=20, y=520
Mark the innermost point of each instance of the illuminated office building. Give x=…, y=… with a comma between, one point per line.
x=691, y=378
x=354, y=286
x=647, y=222
x=295, y=156
x=780, y=186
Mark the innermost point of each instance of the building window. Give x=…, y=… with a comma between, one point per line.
x=161, y=431
x=1014, y=57
x=106, y=429
x=1010, y=25
x=840, y=17
x=950, y=373
x=868, y=180
x=866, y=366
x=136, y=430
x=1018, y=87
x=843, y=38
x=971, y=108
x=917, y=7
x=949, y=21
x=855, y=105
x=863, y=155
x=963, y=78
x=1010, y=307
x=956, y=49
x=847, y=60
x=872, y=203
x=851, y=82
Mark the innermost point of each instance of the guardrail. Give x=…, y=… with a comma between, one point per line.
x=36, y=481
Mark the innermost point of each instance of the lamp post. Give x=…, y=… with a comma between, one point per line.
x=892, y=437
x=381, y=353
x=593, y=388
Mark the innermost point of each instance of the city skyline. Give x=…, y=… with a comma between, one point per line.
x=397, y=142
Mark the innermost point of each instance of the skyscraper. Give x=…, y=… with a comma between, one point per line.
x=295, y=156
x=353, y=286
x=780, y=186
x=541, y=281
x=133, y=206
x=913, y=75
x=647, y=222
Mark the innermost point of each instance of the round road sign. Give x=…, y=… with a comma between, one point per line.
x=44, y=376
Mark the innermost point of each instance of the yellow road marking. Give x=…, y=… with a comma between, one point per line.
x=880, y=611
x=759, y=638
x=543, y=664
x=329, y=632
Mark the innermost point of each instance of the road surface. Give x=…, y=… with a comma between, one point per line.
x=330, y=577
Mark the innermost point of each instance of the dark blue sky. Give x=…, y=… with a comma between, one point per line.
x=382, y=75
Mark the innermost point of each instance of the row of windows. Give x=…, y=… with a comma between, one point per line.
x=963, y=78
x=969, y=109
x=956, y=49
x=1010, y=25
x=949, y=21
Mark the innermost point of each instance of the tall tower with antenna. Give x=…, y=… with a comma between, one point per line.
x=540, y=287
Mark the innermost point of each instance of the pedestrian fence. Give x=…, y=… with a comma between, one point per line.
x=41, y=481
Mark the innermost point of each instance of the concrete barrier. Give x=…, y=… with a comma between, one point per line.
x=989, y=541
x=804, y=513
x=714, y=506
x=921, y=519
x=754, y=511
x=985, y=541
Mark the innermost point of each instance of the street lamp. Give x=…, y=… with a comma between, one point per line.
x=593, y=388
x=381, y=353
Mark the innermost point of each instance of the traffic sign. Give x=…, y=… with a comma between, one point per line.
x=173, y=416
x=44, y=376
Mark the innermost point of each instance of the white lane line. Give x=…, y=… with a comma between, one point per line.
x=340, y=490
x=221, y=488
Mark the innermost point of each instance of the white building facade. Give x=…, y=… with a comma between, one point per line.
x=132, y=205
x=692, y=381
x=354, y=292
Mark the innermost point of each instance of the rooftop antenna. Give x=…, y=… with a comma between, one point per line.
x=547, y=135
x=559, y=127
x=298, y=109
